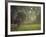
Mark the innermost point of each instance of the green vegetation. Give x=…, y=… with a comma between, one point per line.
x=29, y=18
x=27, y=27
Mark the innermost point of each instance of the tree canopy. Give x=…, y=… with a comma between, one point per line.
x=29, y=14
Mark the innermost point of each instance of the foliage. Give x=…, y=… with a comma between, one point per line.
x=30, y=15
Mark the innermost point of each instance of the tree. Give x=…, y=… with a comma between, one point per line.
x=21, y=15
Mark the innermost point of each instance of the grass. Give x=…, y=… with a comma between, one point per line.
x=27, y=27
